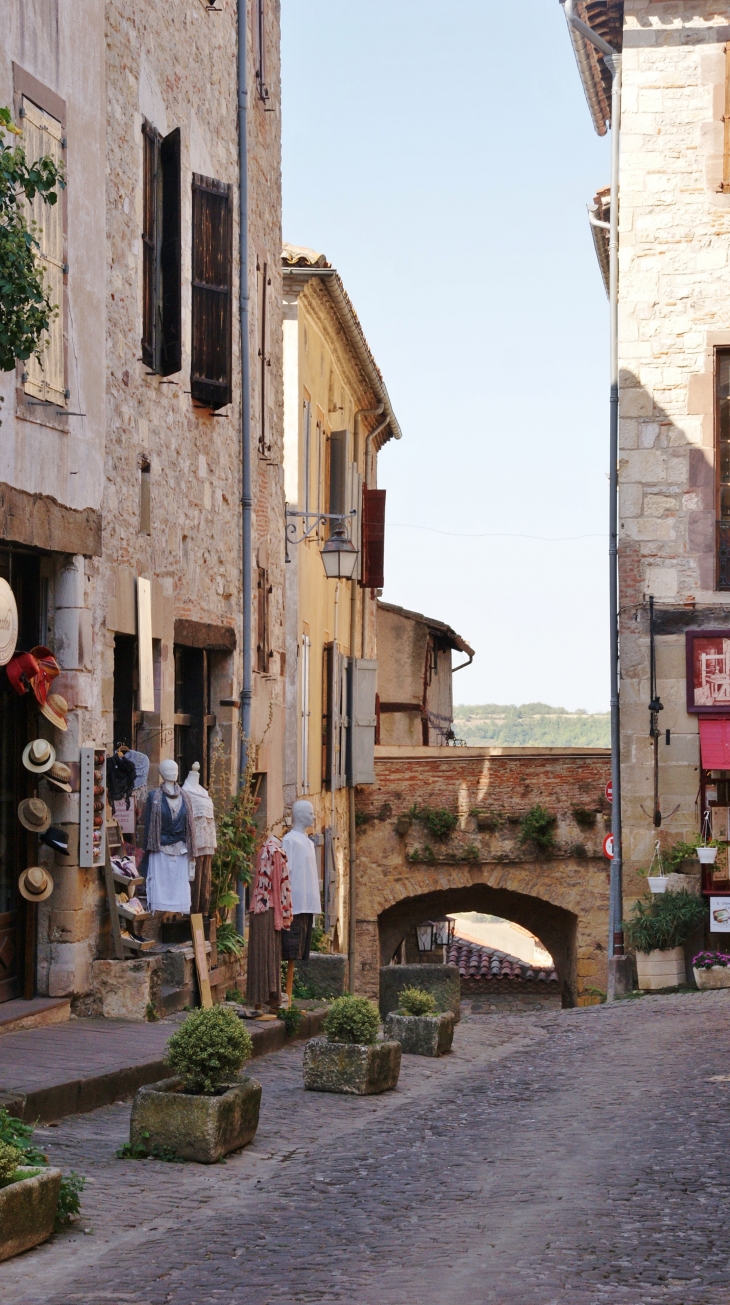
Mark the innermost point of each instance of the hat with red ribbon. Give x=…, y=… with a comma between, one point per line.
x=34, y=670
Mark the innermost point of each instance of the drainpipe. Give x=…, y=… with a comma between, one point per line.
x=246, y=500
x=361, y=412
x=612, y=59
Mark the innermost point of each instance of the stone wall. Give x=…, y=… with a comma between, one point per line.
x=408, y=876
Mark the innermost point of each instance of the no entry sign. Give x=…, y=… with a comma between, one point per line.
x=609, y=791
x=608, y=846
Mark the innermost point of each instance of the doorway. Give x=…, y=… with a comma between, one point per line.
x=193, y=718
x=18, y=725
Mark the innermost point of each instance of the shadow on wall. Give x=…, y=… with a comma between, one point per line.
x=555, y=927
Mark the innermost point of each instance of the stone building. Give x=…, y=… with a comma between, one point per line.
x=674, y=355
x=415, y=702
x=120, y=515
x=337, y=418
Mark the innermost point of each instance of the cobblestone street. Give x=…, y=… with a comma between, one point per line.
x=578, y=1156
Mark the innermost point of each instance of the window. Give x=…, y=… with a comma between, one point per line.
x=259, y=45
x=210, y=367
x=263, y=280
x=337, y=471
x=335, y=719
x=45, y=376
x=725, y=183
x=306, y=645
x=373, y=538
x=161, y=310
x=193, y=720
x=145, y=503
x=263, y=652
x=307, y=458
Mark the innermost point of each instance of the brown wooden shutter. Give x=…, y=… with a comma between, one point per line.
x=210, y=380
x=170, y=355
x=150, y=147
x=373, y=538
x=264, y=350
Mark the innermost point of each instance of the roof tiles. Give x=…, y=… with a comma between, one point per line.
x=476, y=962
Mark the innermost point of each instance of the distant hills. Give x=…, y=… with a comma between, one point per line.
x=534, y=724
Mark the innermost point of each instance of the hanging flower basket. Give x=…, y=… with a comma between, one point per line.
x=657, y=883
x=706, y=855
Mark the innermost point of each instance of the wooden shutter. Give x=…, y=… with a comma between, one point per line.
x=373, y=538
x=170, y=356
x=343, y=720
x=46, y=374
x=263, y=285
x=335, y=718
x=262, y=596
x=210, y=380
x=337, y=476
x=330, y=879
x=150, y=158
x=361, y=733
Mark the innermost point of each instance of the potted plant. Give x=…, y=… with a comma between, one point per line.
x=420, y=1028
x=707, y=849
x=28, y=1201
x=711, y=970
x=658, y=929
x=205, y=1110
x=349, y=1059
x=657, y=881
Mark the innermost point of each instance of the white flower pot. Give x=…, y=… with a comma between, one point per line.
x=707, y=855
x=657, y=883
x=657, y=970
x=718, y=976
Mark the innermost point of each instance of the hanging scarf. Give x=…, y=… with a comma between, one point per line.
x=272, y=888
x=154, y=820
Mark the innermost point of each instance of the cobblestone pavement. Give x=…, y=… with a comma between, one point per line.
x=578, y=1156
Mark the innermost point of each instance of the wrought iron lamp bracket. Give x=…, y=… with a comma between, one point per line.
x=310, y=522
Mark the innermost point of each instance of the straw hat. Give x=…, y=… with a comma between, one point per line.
x=39, y=756
x=35, y=884
x=58, y=776
x=55, y=709
x=8, y=622
x=34, y=815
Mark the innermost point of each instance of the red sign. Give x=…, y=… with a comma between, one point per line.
x=608, y=846
x=609, y=791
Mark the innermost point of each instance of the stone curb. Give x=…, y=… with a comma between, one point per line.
x=84, y=1094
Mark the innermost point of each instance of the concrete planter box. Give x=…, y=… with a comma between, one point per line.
x=27, y=1212
x=718, y=976
x=658, y=970
x=442, y=981
x=350, y=1067
x=421, y=1035
x=195, y=1127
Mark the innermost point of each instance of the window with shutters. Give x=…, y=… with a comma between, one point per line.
x=306, y=645
x=337, y=477
x=211, y=363
x=263, y=589
x=373, y=538
x=259, y=45
x=263, y=282
x=335, y=720
x=361, y=732
x=44, y=376
x=161, y=251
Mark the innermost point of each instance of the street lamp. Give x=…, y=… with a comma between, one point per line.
x=339, y=556
x=435, y=933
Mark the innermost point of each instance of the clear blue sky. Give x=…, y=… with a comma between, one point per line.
x=441, y=156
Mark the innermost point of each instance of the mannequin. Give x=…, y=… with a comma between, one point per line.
x=205, y=838
x=270, y=914
x=170, y=844
x=300, y=854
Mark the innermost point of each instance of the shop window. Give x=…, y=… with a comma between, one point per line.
x=263, y=649
x=263, y=283
x=373, y=538
x=45, y=375
x=193, y=718
x=126, y=683
x=145, y=499
x=161, y=303
x=210, y=365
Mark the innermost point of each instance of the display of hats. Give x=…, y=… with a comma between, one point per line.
x=57, y=838
x=8, y=622
x=34, y=670
x=34, y=815
x=59, y=776
x=35, y=884
x=39, y=756
x=55, y=709
x=21, y=670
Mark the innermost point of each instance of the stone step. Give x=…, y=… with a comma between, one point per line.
x=33, y=1014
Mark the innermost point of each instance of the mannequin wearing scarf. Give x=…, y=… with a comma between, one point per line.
x=170, y=844
x=270, y=912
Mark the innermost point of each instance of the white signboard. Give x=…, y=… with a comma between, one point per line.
x=125, y=815
x=146, y=700
x=8, y=623
x=720, y=915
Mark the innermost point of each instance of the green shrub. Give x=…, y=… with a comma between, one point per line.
x=352, y=1019
x=439, y=822
x=209, y=1049
x=538, y=826
x=16, y=1133
x=414, y=1001
x=674, y=857
x=291, y=1018
x=319, y=941
x=69, y=1199
x=584, y=817
x=10, y=1157
x=664, y=921
x=229, y=942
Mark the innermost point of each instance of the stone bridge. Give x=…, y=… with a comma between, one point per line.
x=407, y=873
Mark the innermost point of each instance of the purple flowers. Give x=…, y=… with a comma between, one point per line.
x=706, y=960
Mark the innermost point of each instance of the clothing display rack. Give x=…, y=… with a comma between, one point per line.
x=123, y=916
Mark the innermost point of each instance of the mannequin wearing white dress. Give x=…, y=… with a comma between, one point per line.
x=168, y=870
x=302, y=862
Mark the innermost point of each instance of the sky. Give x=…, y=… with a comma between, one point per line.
x=442, y=156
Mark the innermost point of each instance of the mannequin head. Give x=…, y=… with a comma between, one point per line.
x=302, y=815
x=168, y=772
x=193, y=779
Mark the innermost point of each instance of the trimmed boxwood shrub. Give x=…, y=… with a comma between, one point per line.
x=10, y=1157
x=209, y=1050
x=416, y=1001
x=352, y=1019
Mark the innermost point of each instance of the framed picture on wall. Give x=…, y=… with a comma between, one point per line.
x=708, y=672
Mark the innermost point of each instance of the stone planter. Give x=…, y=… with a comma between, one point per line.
x=660, y=969
x=324, y=973
x=195, y=1127
x=350, y=1067
x=442, y=981
x=421, y=1035
x=718, y=976
x=27, y=1212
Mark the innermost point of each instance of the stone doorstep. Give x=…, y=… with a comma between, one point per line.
x=79, y=1096
x=34, y=1014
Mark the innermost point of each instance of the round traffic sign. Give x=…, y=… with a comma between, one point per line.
x=608, y=846
x=609, y=791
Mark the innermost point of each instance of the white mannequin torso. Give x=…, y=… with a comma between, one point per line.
x=302, y=863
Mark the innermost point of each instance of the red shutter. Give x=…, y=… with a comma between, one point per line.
x=373, y=538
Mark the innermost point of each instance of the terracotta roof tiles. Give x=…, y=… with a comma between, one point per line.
x=477, y=962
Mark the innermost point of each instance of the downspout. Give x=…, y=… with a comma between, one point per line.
x=246, y=500
x=612, y=59
x=352, y=931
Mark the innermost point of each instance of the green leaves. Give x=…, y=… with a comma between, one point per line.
x=664, y=921
x=352, y=1019
x=537, y=826
x=209, y=1049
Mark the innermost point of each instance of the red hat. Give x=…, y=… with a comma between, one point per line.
x=22, y=670
x=48, y=669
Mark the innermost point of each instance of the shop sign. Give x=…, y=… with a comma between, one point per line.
x=124, y=815
x=8, y=623
x=609, y=791
x=608, y=846
x=720, y=915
